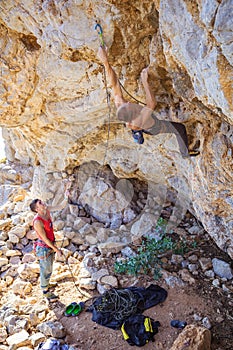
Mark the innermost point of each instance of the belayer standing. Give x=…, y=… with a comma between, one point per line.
x=45, y=247
x=142, y=119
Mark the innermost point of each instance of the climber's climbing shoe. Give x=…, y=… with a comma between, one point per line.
x=77, y=309
x=69, y=309
x=178, y=324
x=194, y=153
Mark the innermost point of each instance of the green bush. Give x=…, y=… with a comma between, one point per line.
x=147, y=257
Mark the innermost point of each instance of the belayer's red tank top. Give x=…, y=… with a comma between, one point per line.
x=48, y=227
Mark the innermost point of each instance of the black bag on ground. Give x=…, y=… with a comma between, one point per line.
x=139, y=330
x=150, y=296
x=116, y=305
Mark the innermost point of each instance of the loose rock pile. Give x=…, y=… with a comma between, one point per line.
x=88, y=245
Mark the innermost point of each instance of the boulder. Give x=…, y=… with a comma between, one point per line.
x=193, y=338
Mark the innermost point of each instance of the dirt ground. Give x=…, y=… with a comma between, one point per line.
x=182, y=303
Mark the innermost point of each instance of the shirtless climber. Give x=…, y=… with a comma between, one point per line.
x=142, y=119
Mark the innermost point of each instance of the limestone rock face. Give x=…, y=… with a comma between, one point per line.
x=54, y=111
x=194, y=338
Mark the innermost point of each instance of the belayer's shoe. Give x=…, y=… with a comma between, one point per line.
x=178, y=324
x=52, y=285
x=69, y=309
x=77, y=309
x=50, y=296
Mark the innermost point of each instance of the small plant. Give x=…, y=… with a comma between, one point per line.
x=147, y=257
x=181, y=247
x=161, y=223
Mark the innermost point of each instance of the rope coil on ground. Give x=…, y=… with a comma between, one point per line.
x=121, y=303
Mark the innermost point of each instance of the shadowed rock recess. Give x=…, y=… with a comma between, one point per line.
x=59, y=129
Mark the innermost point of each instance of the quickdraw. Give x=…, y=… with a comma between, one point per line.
x=100, y=33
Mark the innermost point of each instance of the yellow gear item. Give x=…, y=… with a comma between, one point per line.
x=125, y=335
x=148, y=325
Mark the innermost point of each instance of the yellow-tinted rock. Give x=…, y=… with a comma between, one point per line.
x=193, y=338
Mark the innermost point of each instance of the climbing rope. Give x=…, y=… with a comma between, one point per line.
x=71, y=272
x=99, y=30
x=121, y=303
x=134, y=98
x=109, y=115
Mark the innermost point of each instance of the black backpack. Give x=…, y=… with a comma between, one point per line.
x=139, y=330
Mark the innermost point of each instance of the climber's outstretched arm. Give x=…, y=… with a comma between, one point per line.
x=112, y=77
x=150, y=98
